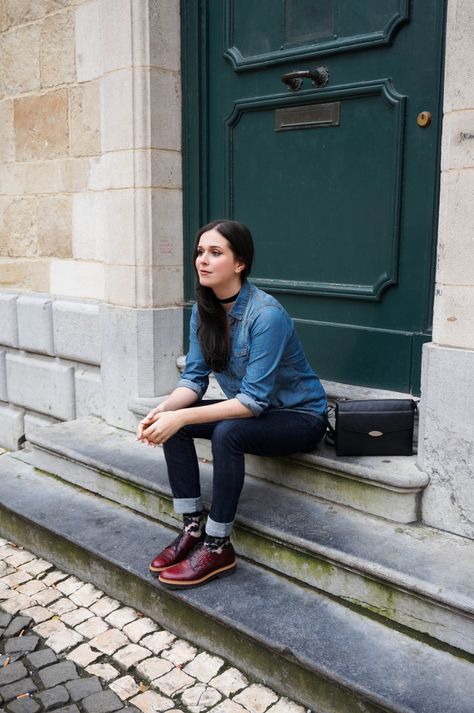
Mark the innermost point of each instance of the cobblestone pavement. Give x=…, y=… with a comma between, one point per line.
x=68, y=647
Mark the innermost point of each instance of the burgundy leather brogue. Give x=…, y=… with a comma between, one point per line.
x=202, y=565
x=178, y=550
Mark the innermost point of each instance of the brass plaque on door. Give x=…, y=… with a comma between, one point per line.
x=310, y=116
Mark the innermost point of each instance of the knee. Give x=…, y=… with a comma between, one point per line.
x=225, y=434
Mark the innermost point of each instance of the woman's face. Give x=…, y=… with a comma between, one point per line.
x=216, y=265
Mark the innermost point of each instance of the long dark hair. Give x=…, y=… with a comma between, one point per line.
x=212, y=330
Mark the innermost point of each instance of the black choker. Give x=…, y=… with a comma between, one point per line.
x=228, y=300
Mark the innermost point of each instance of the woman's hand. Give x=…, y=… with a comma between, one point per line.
x=163, y=426
x=148, y=420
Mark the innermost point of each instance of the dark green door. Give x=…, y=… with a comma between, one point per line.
x=338, y=183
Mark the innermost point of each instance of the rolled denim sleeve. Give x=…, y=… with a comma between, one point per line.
x=269, y=336
x=196, y=372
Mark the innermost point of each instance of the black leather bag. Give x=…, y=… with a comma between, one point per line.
x=381, y=427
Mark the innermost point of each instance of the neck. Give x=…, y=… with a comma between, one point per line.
x=228, y=300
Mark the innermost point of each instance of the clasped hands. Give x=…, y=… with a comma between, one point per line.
x=158, y=426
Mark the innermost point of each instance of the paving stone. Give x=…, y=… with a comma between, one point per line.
x=7, y=550
x=229, y=682
x=32, y=587
x=23, y=705
x=130, y=655
x=17, y=602
x=58, y=673
x=109, y=641
x=125, y=687
x=77, y=616
x=69, y=585
x=53, y=697
x=140, y=628
x=201, y=697
x=46, y=597
x=83, y=655
x=68, y=709
x=181, y=652
x=11, y=673
x=86, y=595
x=105, y=606
x=286, y=706
x=38, y=614
x=228, y=707
x=119, y=618
x=103, y=670
x=18, y=688
x=20, y=557
x=92, y=627
x=151, y=702
x=54, y=577
x=21, y=643
x=62, y=606
x=36, y=567
x=174, y=681
x=5, y=619
x=104, y=702
x=63, y=640
x=40, y=659
x=256, y=698
x=83, y=687
x=153, y=668
x=17, y=624
x=16, y=578
x=46, y=628
x=158, y=641
x=204, y=667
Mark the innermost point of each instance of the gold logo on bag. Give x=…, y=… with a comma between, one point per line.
x=375, y=434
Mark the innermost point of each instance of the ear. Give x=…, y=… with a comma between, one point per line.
x=239, y=266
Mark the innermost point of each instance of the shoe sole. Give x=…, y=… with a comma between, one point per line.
x=222, y=572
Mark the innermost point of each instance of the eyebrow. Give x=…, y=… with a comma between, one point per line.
x=211, y=247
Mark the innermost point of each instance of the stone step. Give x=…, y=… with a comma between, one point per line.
x=298, y=641
x=407, y=574
x=388, y=487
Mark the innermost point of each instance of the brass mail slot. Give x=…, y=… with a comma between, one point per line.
x=312, y=116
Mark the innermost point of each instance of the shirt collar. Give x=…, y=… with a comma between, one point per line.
x=238, y=309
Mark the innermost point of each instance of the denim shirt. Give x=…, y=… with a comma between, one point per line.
x=267, y=366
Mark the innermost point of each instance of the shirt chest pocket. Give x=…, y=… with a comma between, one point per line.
x=239, y=360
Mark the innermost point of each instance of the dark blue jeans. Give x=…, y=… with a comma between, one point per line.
x=274, y=433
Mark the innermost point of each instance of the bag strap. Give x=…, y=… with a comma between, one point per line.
x=330, y=438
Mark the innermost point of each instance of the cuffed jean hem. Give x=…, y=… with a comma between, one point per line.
x=181, y=505
x=218, y=529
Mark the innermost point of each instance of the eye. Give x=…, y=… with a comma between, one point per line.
x=216, y=253
x=199, y=251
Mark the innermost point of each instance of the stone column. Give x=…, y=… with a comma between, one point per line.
x=133, y=206
x=447, y=419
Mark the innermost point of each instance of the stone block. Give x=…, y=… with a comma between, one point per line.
x=458, y=140
x=53, y=697
x=165, y=44
x=452, y=321
x=130, y=286
x=88, y=42
x=229, y=682
x=446, y=440
x=119, y=169
x=151, y=702
x=19, y=13
x=41, y=177
x=104, y=702
x=109, y=641
x=117, y=116
x=120, y=240
x=121, y=617
x=116, y=24
x=8, y=319
x=19, y=688
x=180, y=653
x=82, y=687
x=89, y=392
x=84, y=655
x=57, y=673
x=41, y=385
x=89, y=225
x=11, y=426
x=174, y=681
x=63, y=640
x=139, y=357
x=39, y=659
x=12, y=180
x=55, y=226
x=136, y=630
x=130, y=655
x=200, y=698
x=35, y=324
x=72, y=278
x=77, y=331
x=7, y=135
x=103, y=670
x=74, y=174
x=33, y=421
x=204, y=667
x=256, y=698
x=30, y=275
x=456, y=218
x=85, y=119
x=125, y=687
x=20, y=69
x=167, y=227
x=459, y=65
x=3, y=376
x=41, y=126
x=153, y=668
x=165, y=100
x=92, y=627
x=57, y=52
x=166, y=169
x=12, y=673
x=18, y=226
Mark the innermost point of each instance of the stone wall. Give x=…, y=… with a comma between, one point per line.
x=447, y=435
x=90, y=206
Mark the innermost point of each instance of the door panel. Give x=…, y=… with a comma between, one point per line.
x=338, y=183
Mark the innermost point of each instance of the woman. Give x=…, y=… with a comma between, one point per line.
x=275, y=403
